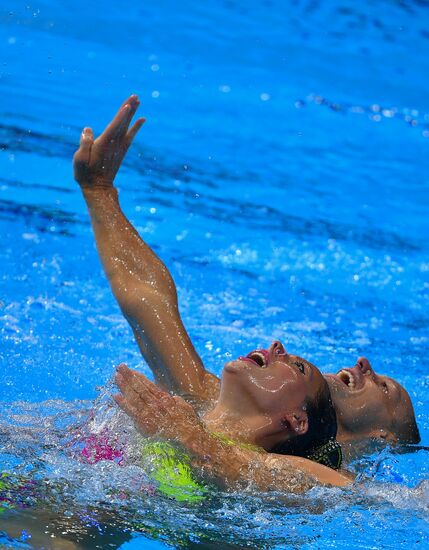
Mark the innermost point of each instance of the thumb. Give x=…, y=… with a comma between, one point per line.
x=86, y=141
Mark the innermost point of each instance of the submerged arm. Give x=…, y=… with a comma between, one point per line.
x=157, y=413
x=141, y=283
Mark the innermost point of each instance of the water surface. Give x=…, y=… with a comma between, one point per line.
x=282, y=176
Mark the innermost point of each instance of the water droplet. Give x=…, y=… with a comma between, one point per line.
x=225, y=88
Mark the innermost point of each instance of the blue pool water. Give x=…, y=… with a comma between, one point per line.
x=282, y=175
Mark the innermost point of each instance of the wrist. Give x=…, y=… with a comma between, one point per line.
x=195, y=440
x=99, y=189
x=97, y=182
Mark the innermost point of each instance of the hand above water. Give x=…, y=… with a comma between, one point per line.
x=154, y=411
x=97, y=162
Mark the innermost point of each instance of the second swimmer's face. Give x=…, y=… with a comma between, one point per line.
x=271, y=382
x=371, y=405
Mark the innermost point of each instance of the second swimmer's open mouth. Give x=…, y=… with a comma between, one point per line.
x=348, y=378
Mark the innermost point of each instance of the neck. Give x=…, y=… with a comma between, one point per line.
x=354, y=435
x=342, y=433
x=229, y=424
x=257, y=430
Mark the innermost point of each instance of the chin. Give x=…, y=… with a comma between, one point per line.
x=234, y=366
x=229, y=368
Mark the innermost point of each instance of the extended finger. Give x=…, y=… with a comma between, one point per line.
x=140, y=383
x=134, y=388
x=122, y=119
x=151, y=391
x=144, y=420
x=126, y=406
x=132, y=132
x=132, y=98
x=86, y=138
x=128, y=377
x=129, y=391
x=86, y=141
x=141, y=391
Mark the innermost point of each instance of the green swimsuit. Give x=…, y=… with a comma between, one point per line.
x=171, y=470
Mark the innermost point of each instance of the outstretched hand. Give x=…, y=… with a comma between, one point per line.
x=154, y=411
x=97, y=162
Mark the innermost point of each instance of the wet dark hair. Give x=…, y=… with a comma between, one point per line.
x=322, y=430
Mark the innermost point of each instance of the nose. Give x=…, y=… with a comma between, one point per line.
x=364, y=365
x=277, y=348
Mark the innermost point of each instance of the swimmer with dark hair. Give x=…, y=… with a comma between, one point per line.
x=271, y=405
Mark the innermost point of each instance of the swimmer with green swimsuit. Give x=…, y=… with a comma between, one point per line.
x=368, y=405
x=268, y=399
x=218, y=459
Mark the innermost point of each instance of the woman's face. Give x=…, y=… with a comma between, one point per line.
x=269, y=382
x=370, y=405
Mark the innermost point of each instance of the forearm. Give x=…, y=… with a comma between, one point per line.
x=127, y=260
x=231, y=466
x=142, y=285
x=214, y=459
x=147, y=296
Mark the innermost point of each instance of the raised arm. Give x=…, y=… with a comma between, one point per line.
x=156, y=413
x=141, y=284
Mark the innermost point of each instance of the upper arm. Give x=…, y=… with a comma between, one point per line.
x=164, y=342
x=291, y=474
x=313, y=472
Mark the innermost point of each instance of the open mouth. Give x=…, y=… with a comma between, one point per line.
x=352, y=378
x=260, y=357
x=347, y=378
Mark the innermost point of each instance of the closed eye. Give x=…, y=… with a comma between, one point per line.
x=301, y=366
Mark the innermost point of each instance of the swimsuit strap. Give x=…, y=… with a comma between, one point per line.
x=329, y=454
